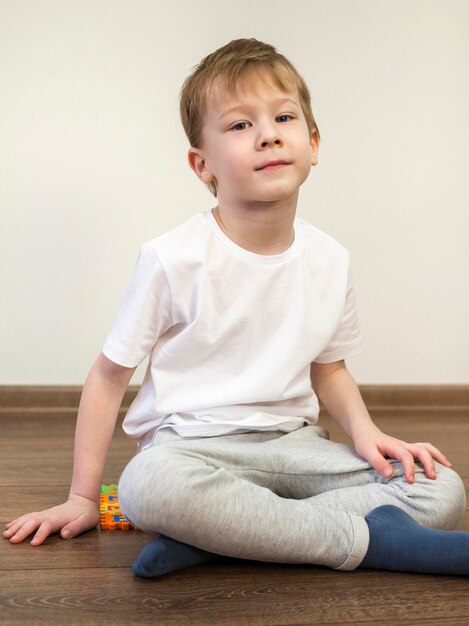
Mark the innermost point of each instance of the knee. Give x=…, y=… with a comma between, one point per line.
x=450, y=504
x=130, y=490
x=144, y=492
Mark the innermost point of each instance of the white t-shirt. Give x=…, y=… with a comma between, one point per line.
x=231, y=334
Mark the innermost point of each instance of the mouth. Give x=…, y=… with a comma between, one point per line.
x=273, y=165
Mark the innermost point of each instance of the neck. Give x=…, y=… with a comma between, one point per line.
x=262, y=230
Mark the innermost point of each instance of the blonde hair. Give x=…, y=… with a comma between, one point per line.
x=240, y=63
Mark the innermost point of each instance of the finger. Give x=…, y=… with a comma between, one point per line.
x=380, y=464
x=408, y=462
x=19, y=520
x=84, y=522
x=74, y=528
x=11, y=529
x=24, y=530
x=8, y=524
x=406, y=458
x=426, y=460
x=44, y=530
x=438, y=455
x=427, y=453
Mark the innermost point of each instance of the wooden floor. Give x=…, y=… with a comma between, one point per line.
x=88, y=580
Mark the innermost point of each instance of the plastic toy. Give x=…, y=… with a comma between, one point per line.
x=110, y=514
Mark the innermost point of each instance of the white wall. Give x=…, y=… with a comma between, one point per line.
x=93, y=163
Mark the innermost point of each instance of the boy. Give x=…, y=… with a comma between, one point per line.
x=248, y=313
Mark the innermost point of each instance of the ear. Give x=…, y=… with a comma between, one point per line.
x=197, y=163
x=314, y=147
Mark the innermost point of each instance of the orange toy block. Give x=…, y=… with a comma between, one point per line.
x=110, y=514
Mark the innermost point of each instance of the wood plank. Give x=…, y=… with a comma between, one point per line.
x=229, y=593
x=109, y=549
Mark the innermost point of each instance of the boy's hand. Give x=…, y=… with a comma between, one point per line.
x=72, y=518
x=373, y=445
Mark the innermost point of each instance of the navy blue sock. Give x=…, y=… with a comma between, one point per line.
x=398, y=543
x=164, y=555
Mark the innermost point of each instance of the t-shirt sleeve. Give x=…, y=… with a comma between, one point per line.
x=347, y=340
x=144, y=314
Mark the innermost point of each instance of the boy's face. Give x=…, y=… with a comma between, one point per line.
x=242, y=135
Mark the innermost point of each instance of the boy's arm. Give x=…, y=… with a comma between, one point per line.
x=339, y=393
x=99, y=407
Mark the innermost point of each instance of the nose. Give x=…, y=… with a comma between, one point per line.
x=274, y=141
x=269, y=135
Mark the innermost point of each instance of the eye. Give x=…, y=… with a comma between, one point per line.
x=238, y=124
x=284, y=116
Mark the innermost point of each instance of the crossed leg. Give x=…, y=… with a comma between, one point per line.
x=294, y=498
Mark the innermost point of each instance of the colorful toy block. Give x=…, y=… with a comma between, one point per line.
x=110, y=514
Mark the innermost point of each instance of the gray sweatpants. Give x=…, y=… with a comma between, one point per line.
x=272, y=496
